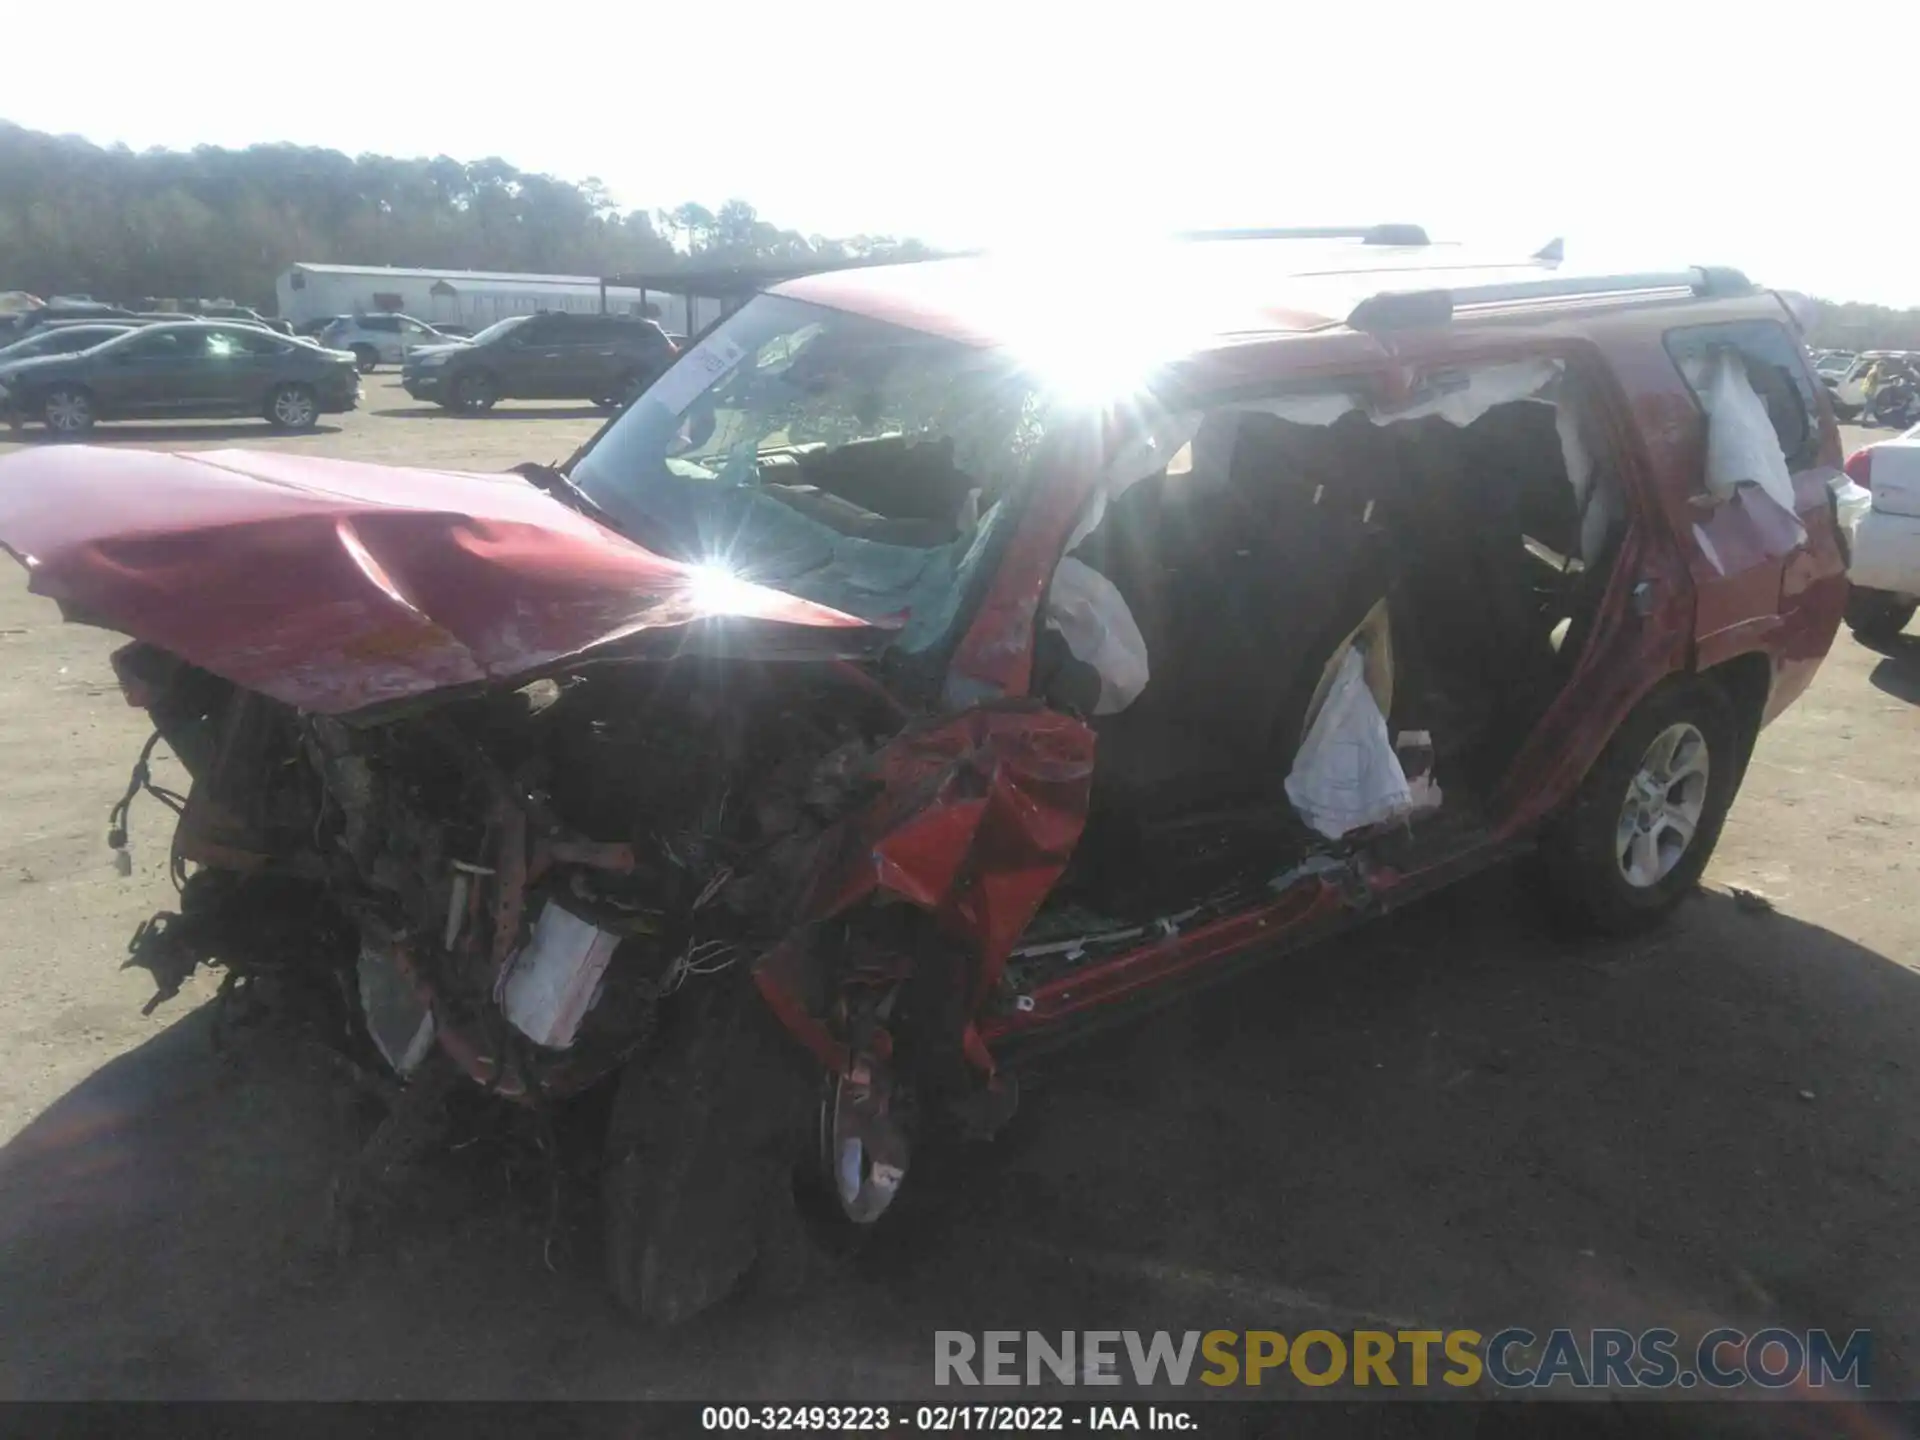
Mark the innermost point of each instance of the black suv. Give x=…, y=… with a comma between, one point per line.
x=607, y=359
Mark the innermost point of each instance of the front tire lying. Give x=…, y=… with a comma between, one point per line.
x=1876, y=614
x=707, y=1128
x=1643, y=824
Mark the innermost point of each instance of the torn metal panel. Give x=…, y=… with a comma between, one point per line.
x=977, y=819
x=334, y=585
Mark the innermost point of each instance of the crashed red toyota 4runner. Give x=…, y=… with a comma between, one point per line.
x=940, y=654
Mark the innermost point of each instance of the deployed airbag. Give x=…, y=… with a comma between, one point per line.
x=1346, y=775
x=1742, y=446
x=1087, y=611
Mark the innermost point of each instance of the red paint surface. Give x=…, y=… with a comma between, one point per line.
x=977, y=818
x=333, y=585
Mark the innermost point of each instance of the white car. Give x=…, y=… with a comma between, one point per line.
x=381, y=339
x=1880, y=511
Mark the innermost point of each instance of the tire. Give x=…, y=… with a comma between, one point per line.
x=1603, y=870
x=67, y=411
x=293, y=407
x=625, y=388
x=707, y=1129
x=475, y=392
x=366, y=357
x=1876, y=614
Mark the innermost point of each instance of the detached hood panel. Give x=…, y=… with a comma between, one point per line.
x=334, y=585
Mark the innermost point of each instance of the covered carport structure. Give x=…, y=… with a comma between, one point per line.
x=725, y=287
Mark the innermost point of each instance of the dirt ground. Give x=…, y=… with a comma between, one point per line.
x=1451, y=1119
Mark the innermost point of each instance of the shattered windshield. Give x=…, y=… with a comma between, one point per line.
x=847, y=461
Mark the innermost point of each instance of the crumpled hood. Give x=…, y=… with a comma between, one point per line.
x=334, y=585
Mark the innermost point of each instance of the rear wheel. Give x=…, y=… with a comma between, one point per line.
x=366, y=357
x=1644, y=822
x=1877, y=615
x=475, y=392
x=625, y=388
x=67, y=410
x=293, y=407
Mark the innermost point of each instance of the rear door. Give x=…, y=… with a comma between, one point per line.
x=1744, y=548
x=544, y=365
x=240, y=365
x=150, y=376
x=383, y=333
x=413, y=335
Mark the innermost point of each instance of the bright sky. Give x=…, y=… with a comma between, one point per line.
x=1648, y=134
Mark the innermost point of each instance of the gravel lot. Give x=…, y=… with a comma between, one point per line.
x=1453, y=1118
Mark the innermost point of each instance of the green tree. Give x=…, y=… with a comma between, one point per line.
x=106, y=221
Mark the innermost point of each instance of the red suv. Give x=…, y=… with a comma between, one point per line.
x=938, y=655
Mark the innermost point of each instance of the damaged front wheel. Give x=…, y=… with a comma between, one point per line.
x=707, y=1128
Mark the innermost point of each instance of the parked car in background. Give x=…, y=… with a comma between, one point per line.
x=906, y=679
x=189, y=368
x=314, y=328
x=1850, y=393
x=458, y=332
x=60, y=340
x=380, y=339
x=1883, y=525
x=607, y=359
x=246, y=315
x=20, y=323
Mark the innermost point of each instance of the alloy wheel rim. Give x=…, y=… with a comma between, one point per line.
x=292, y=408
x=66, y=412
x=1661, y=812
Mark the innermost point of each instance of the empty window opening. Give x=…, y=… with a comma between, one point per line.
x=1459, y=548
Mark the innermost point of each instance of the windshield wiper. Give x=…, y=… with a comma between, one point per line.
x=561, y=488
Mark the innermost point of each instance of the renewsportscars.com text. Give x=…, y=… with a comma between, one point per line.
x=1511, y=1358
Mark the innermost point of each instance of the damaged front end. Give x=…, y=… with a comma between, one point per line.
x=524, y=875
x=483, y=788
x=532, y=882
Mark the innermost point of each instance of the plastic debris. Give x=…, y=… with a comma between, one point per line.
x=555, y=978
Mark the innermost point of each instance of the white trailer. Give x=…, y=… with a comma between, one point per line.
x=473, y=298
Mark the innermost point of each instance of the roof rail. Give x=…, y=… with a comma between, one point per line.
x=1365, y=234
x=1405, y=309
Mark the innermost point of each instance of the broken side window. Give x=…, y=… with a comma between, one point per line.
x=1775, y=369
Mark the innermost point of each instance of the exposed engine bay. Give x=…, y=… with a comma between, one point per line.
x=522, y=877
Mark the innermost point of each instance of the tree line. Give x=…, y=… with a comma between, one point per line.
x=1863, y=327
x=106, y=221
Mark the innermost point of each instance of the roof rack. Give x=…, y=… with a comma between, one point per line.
x=1365, y=234
x=1405, y=309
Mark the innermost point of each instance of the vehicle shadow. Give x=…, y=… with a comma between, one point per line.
x=1451, y=1119
x=1898, y=674
x=173, y=432
x=520, y=412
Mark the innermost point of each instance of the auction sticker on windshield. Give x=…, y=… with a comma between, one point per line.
x=695, y=371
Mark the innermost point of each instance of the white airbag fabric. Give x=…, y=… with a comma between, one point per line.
x=1099, y=629
x=1346, y=776
x=1742, y=445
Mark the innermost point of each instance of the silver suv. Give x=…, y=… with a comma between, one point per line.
x=381, y=339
